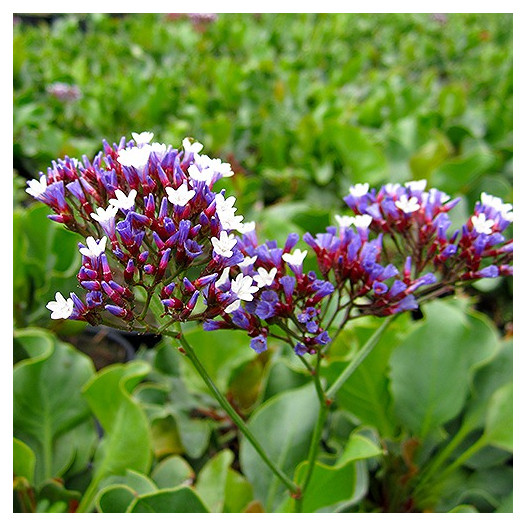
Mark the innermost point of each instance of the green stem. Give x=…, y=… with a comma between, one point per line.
x=357, y=359
x=442, y=457
x=316, y=436
x=234, y=416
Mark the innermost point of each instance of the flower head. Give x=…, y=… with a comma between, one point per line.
x=94, y=248
x=224, y=245
x=123, y=201
x=181, y=196
x=243, y=287
x=61, y=308
x=481, y=224
x=37, y=187
x=142, y=138
x=265, y=278
x=295, y=258
x=408, y=205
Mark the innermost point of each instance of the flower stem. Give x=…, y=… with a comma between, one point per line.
x=357, y=359
x=234, y=416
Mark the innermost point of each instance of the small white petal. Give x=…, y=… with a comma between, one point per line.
x=296, y=258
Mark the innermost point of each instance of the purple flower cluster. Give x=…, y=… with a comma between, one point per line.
x=288, y=299
x=155, y=208
x=156, y=232
x=412, y=226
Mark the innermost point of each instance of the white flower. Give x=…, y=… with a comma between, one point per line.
x=264, y=278
x=191, y=147
x=391, y=188
x=123, y=201
x=196, y=174
x=223, y=278
x=505, y=209
x=37, y=188
x=94, y=248
x=247, y=262
x=157, y=147
x=224, y=245
x=135, y=157
x=231, y=222
x=359, y=190
x=344, y=221
x=61, y=308
x=225, y=206
x=416, y=186
x=408, y=205
x=243, y=287
x=142, y=138
x=296, y=258
x=104, y=216
x=246, y=227
x=181, y=196
x=233, y=306
x=481, y=224
x=363, y=221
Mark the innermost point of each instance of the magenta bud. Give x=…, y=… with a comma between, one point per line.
x=205, y=280
x=192, y=301
x=172, y=303
x=163, y=209
x=87, y=274
x=143, y=256
x=165, y=258
x=149, y=205
x=129, y=270
x=120, y=312
x=90, y=285
x=106, y=270
x=149, y=269
x=167, y=291
x=116, y=297
x=189, y=287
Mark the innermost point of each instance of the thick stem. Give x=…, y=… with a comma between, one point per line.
x=235, y=417
x=357, y=359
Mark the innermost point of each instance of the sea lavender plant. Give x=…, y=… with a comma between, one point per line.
x=159, y=237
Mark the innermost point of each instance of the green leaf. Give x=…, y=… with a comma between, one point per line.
x=138, y=482
x=432, y=369
x=430, y=157
x=238, y=492
x=343, y=478
x=115, y=499
x=23, y=461
x=211, y=480
x=221, y=355
x=365, y=395
x=47, y=400
x=179, y=500
x=464, y=508
x=172, y=472
x=457, y=175
x=498, y=431
x=283, y=425
x=127, y=443
x=362, y=159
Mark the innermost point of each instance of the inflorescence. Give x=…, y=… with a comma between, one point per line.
x=157, y=235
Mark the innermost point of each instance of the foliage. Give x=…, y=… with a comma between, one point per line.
x=302, y=106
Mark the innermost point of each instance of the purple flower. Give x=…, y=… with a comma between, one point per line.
x=259, y=343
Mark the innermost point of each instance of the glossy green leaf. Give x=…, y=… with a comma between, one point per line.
x=283, y=425
x=179, y=500
x=47, y=400
x=172, y=472
x=211, y=480
x=23, y=461
x=432, y=369
x=499, y=419
x=115, y=499
x=127, y=443
x=365, y=394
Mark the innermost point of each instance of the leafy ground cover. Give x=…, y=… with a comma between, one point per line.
x=301, y=106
